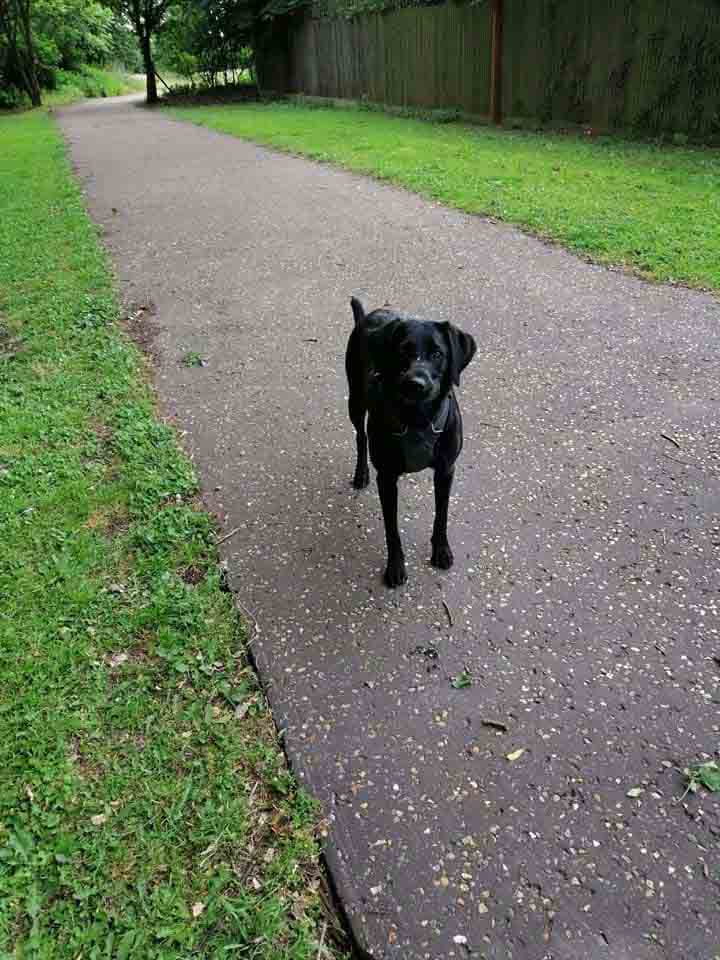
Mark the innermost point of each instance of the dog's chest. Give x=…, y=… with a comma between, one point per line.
x=407, y=449
x=415, y=449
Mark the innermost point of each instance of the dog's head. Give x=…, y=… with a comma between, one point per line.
x=418, y=360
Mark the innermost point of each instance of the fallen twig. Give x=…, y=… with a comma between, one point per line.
x=686, y=463
x=671, y=440
x=251, y=618
x=447, y=611
x=227, y=536
x=322, y=941
x=495, y=725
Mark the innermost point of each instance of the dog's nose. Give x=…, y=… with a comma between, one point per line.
x=416, y=385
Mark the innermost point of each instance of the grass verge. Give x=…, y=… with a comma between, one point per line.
x=653, y=209
x=145, y=807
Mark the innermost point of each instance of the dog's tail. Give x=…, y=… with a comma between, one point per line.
x=358, y=311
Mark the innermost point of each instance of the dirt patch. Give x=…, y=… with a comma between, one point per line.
x=220, y=95
x=86, y=769
x=142, y=327
x=193, y=575
x=10, y=343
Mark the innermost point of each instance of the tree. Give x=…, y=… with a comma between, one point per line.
x=213, y=36
x=218, y=38
x=147, y=18
x=212, y=39
x=40, y=37
x=72, y=33
x=18, y=53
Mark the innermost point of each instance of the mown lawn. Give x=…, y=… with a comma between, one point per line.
x=654, y=209
x=145, y=807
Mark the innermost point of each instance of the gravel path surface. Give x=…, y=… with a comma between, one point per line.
x=584, y=603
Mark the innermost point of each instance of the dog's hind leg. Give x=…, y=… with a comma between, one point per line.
x=357, y=416
x=395, y=571
x=442, y=556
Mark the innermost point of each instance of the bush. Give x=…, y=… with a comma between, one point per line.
x=89, y=82
x=11, y=98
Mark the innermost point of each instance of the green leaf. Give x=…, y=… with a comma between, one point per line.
x=708, y=775
x=126, y=945
x=22, y=842
x=461, y=681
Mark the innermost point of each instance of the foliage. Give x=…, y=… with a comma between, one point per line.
x=55, y=37
x=353, y=8
x=217, y=40
x=209, y=39
x=72, y=33
x=72, y=85
x=655, y=209
x=145, y=808
x=124, y=50
x=12, y=97
x=705, y=775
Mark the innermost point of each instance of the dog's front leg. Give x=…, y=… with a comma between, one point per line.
x=387, y=488
x=362, y=471
x=442, y=556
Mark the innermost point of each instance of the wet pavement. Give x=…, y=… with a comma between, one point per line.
x=538, y=812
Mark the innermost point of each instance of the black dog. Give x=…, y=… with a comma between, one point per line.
x=402, y=370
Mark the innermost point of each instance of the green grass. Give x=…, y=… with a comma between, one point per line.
x=145, y=807
x=654, y=209
x=90, y=82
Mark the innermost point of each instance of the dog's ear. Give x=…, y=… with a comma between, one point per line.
x=381, y=342
x=462, y=349
x=358, y=311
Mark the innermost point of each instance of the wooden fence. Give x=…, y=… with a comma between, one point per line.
x=653, y=65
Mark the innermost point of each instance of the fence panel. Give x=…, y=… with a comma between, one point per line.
x=648, y=64
x=423, y=57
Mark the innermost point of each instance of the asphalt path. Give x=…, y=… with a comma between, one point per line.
x=536, y=813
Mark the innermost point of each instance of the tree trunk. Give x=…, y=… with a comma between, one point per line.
x=29, y=65
x=151, y=83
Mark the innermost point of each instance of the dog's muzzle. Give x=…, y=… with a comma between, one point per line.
x=416, y=387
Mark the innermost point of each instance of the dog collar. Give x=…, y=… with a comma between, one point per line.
x=437, y=426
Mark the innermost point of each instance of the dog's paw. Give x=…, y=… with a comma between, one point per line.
x=442, y=556
x=395, y=572
x=361, y=478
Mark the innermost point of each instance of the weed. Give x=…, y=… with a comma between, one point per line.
x=193, y=359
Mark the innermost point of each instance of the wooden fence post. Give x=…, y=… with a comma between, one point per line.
x=496, y=26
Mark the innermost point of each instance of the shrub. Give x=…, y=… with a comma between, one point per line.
x=11, y=98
